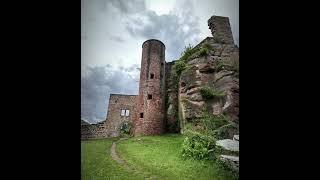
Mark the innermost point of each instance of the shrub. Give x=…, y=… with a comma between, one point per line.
x=209, y=93
x=198, y=146
x=125, y=128
x=179, y=66
x=219, y=65
x=188, y=51
x=200, y=140
x=231, y=64
x=235, y=67
x=207, y=46
x=203, y=52
x=213, y=122
x=223, y=131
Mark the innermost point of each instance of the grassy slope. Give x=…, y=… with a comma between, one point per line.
x=160, y=155
x=96, y=162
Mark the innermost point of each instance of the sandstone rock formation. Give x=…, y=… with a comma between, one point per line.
x=216, y=70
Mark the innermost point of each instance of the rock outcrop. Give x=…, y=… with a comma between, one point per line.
x=218, y=70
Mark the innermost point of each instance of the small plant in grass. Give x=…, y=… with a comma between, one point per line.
x=210, y=93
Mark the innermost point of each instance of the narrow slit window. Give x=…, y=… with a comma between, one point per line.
x=151, y=76
x=141, y=115
x=149, y=96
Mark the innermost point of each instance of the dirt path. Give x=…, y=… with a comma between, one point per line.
x=125, y=165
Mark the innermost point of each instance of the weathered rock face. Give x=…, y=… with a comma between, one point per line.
x=217, y=70
x=172, y=124
x=229, y=144
x=220, y=27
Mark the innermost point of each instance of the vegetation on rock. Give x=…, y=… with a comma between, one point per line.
x=190, y=53
x=218, y=39
x=230, y=63
x=210, y=93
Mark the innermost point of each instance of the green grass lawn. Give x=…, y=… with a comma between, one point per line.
x=96, y=162
x=160, y=155
x=156, y=155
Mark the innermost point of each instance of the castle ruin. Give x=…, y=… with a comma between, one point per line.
x=164, y=105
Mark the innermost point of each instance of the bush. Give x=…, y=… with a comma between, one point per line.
x=125, y=128
x=179, y=66
x=207, y=46
x=213, y=122
x=223, y=131
x=235, y=67
x=200, y=140
x=209, y=93
x=203, y=52
x=188, y=51
x=231, y=64
x=198, y=146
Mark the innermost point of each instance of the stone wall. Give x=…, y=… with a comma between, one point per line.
x=118, y=102
x=151, y=104
x=90, y=131
x=111, y=126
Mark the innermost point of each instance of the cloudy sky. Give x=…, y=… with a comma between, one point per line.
x=112, y=33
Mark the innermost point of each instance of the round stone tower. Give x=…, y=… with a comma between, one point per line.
x=151, y=103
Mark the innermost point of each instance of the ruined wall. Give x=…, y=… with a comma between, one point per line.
x=151, y=103
x=90, y=131
x=111, y=126
x=118, y=102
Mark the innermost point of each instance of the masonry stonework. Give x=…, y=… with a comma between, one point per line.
x=118, y=103
x=151, y=103
x=111, y=126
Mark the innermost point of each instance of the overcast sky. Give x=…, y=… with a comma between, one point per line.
x=112, y=33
